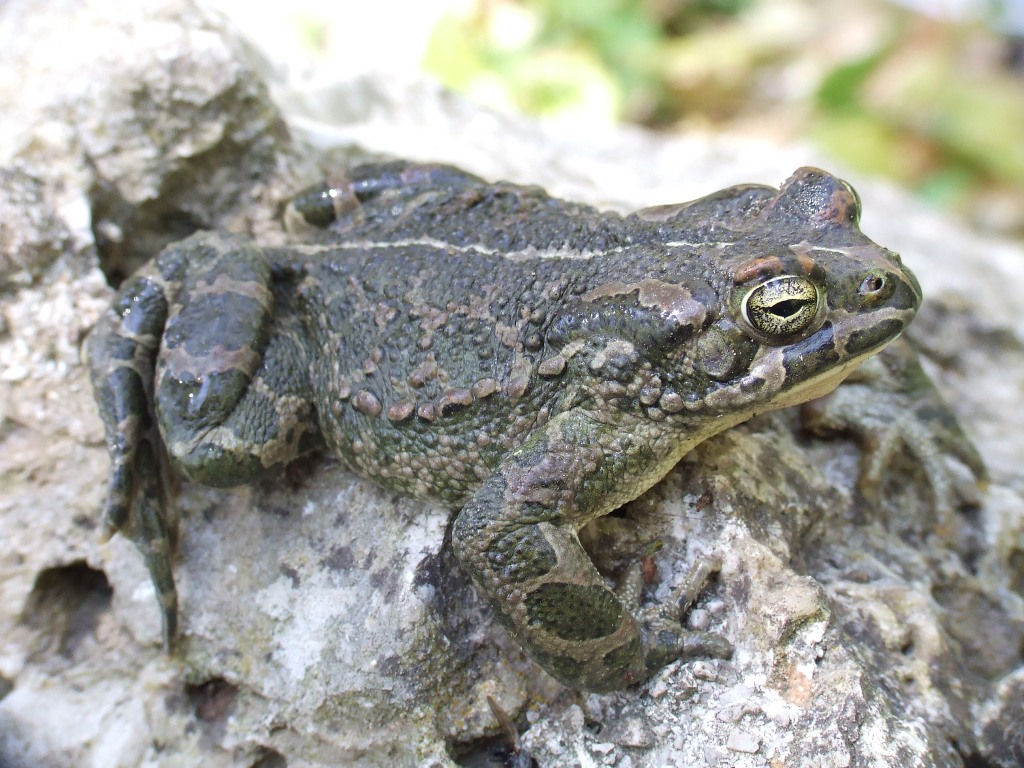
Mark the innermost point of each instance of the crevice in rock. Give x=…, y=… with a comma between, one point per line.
x=6, y=686
x=977, y=761
x=269, y=758
x=213, y=701
x=488, y=752
x=65, y=605
x=128, y=235
x=1016, y=568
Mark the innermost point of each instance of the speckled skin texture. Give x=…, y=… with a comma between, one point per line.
x=531, y=362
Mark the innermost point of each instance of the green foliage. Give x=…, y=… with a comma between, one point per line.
x=612, y=52
x=925, y=120
x=840, y=89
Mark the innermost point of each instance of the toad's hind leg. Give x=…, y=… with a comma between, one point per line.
x=338, y=201
x=122, y=351
x=190, y=343
x=229, y=412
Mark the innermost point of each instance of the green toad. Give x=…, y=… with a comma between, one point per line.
x=529, y=362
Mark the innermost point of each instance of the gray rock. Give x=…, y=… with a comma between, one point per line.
x=324, y=621
x=1001, y=723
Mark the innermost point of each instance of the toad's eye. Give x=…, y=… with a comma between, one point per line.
x=782, y=307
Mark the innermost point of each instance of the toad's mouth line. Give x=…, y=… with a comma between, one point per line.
x=819, y=386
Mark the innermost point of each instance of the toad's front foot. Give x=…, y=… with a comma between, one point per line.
x=891, y=406
x=661, y=625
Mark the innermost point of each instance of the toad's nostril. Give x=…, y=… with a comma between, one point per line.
x=872, y=284
x=876, y=287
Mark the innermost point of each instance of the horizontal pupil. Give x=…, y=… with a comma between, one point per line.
x=788, y=308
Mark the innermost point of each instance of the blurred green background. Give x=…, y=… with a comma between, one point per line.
x=929, y=96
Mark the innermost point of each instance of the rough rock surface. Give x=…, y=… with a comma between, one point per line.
x=324, y=621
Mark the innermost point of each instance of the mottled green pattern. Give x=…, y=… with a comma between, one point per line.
x=573, y=613
x=533, y=362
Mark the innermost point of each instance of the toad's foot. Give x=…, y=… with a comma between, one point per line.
x=891, y=406
x=121, y=356
x=661, y=623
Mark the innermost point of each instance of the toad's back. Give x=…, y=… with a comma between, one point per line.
x=424, y=358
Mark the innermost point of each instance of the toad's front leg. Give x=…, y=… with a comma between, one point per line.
x=517, y=538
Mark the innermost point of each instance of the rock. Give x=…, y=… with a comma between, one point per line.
x=324, y=622
x=1002, y=723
